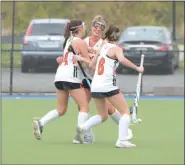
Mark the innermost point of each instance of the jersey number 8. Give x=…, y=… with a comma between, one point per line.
x=101, y=66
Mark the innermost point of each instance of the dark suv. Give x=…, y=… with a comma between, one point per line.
x=43, y=43
x=156, y=44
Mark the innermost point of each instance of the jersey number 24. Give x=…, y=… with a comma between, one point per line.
x=65, y=59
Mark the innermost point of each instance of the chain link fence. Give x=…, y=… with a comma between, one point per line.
x=37, y=80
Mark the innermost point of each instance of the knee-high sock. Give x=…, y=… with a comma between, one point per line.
x=123, y=127
x=51, y=115
x=93, y=121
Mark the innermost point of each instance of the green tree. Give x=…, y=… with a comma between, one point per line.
x=121, y=13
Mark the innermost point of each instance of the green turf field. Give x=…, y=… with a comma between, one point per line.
x=159, y=139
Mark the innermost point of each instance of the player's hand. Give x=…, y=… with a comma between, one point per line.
x=140, y=69
x=77, y=58
x=92, y=56
x=59, y=60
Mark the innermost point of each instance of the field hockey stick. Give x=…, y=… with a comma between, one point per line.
x=80, y=65
x=134, y=108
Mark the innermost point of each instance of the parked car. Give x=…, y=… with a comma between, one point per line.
x=156, y=44
x=43, y=43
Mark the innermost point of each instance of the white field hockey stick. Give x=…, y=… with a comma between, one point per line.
x=134, y=108
x=80, y=65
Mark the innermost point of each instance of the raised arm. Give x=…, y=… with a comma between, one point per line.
x=125, y=61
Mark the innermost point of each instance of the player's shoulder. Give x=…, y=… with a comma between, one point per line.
x=113, y=47
x=110, y=45
x=79, y=40
x=117, y=48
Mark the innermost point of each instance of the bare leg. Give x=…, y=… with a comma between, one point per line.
x=96, y=119
x=62, y=103
x=120, y=104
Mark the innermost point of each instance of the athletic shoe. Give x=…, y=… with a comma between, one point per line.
x=80, y=133
x=124, y=144
x=75, y=140
x=38, y=129
x=88, y=139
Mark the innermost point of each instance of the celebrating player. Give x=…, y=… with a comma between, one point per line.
x=68, y=78
x=94, y=43
x=104, y=87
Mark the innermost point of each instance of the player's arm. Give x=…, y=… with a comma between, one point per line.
x=90, y=54
x=82, y=49
x=125, y=61
x=93, y=62
x=80, y=58
x=84, y=52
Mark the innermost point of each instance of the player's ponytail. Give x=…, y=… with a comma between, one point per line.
x=71, y=29
x=66, y=34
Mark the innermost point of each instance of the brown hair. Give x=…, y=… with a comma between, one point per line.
x=71, y=27
x=113, y=33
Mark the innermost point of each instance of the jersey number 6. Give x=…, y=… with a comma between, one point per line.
x=101, y=66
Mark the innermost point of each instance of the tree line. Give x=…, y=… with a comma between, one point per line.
x=122, y=14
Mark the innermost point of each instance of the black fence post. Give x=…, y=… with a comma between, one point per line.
x=12, y=49
x=174, y=20
x=141, y=89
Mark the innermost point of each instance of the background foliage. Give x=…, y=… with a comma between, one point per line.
x=121, y=13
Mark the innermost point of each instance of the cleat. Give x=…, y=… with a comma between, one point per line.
x=75, y=140
x=38, y=129
x=80, y=133
x=124, y=144
x=88, y=139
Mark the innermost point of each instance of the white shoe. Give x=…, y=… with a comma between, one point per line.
x=80, y=133
x=89, y=138
x=124, y=144
x=38, y=129
x=75, y=140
